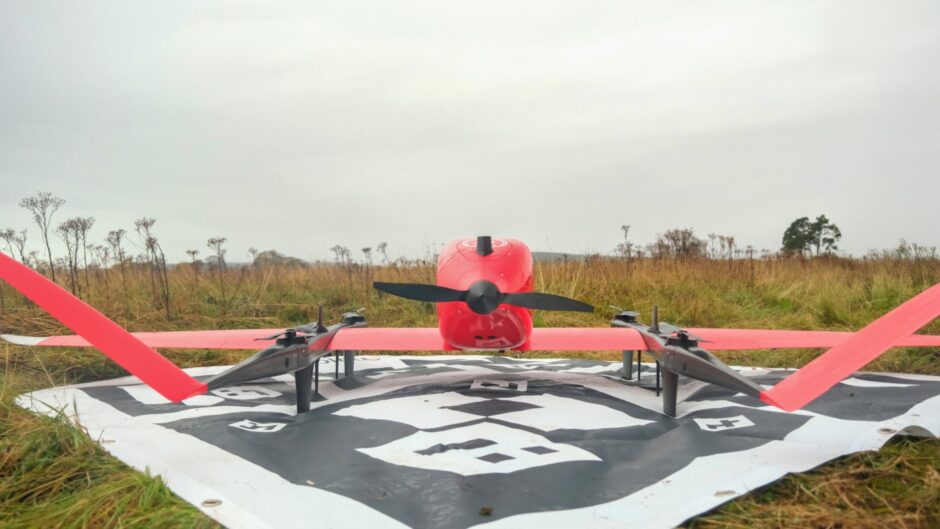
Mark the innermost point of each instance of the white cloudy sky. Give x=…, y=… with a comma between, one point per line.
x=303, y=125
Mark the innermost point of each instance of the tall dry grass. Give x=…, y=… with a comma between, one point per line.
x=53, y=476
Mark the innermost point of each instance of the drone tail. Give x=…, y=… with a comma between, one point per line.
x=839, y=362
x=149, y=366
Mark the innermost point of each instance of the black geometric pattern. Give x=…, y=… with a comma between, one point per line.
x=540, y=450
x=488, y=408
x=323, y=447
x=467, y=445
x=495, y=457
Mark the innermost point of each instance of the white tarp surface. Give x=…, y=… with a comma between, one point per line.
x=429, y=441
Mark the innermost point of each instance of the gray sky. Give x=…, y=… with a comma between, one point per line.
x=309, y=124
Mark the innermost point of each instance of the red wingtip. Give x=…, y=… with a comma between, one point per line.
x=785, y=406
x=105, y=335
x=831, y=367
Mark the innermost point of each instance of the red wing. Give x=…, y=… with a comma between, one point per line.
x=542, y=339
x=429, y=339
x=388, y=339
x=585, y=339
x=828, y=369
x=742, y=339
x=105, y=335
x=621, y=339
x=221, y=339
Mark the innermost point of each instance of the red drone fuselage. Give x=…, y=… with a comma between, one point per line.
x=509, y=267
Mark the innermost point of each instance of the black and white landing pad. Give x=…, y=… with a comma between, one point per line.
x=465, y=441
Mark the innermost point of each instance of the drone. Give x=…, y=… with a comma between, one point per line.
x=485, y=300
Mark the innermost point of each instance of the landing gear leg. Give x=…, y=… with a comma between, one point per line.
x=658, y=370
x=302, y=388
x=670, y=392
x=628, y=365
x=316, y=379
x=349, y=361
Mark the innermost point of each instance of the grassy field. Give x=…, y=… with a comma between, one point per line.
x=52, y=475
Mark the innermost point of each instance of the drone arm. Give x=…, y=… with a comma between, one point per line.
x=830, y=368
x=102, y=333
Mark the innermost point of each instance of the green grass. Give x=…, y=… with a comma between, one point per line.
x=53, y=475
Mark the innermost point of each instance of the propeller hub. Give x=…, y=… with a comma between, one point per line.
x=483, y=297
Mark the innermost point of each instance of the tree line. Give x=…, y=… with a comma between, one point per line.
x=802, y=238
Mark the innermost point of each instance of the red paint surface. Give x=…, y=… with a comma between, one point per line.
x=744, y=339
x=222, y=339
x=429, y=339
x=541, y=339
x=509, y=267
x=509, y=327
x=388, y=339
x=828, y=369
x=105, y=335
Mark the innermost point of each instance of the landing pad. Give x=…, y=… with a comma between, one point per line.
x=472, y=441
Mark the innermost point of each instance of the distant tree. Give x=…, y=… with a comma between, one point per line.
x=193, y=253
x=114, y=239
x=720, y=246
x=159, y=277
x=19, y=242
x=7, y=236
x=342, y=253
x=825, y=235
x=625, y=248
x=68, y=231
x=678, y=244
x=797, y=237
x=43, y=206
x=912, y=251
x=382, y=248
x=367, y=252
x=804, y=236
x=274, y=258
x=215, y=244
x=102, y=254
x=82, y=227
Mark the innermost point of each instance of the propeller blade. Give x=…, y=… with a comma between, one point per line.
x=419, y=292
x=105, y=335
x=541, y=301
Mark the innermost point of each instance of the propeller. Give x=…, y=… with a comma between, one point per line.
x=483, y=297
x=108, y=337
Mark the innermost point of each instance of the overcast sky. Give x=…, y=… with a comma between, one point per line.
x=310, y=124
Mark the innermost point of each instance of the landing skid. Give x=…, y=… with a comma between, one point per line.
x=307, y=380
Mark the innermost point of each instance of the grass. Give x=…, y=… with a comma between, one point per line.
x=53, y=475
